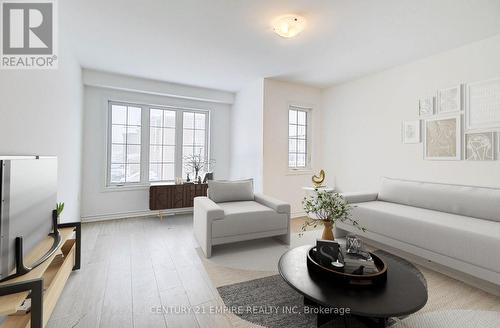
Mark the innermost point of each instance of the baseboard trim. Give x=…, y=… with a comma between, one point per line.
x=134, y=214
x=295, y=215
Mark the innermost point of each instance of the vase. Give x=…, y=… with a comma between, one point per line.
x=327, y=231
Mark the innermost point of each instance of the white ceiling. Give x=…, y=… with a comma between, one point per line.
x=224, y=44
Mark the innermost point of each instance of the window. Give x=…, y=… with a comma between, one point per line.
x=161, y=144
x=149, y=143
x=194, y=140
x=125, y=157
x=298, y=153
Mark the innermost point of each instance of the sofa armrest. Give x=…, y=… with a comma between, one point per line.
x=277, y=205
x=360, y=197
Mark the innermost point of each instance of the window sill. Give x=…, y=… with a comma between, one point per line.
x=114, y=188
x=300, y=172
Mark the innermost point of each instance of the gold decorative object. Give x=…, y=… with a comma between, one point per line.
x=318, y=180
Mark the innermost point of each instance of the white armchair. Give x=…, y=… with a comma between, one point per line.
x=232, y=212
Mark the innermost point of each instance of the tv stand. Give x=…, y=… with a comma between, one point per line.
x=44, y=283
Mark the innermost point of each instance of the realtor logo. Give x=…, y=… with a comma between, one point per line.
x=28, y=34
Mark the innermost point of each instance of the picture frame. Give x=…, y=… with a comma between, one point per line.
x=482, y=110
x=443, y=138
x=449, y=100
x=410, y=132
x=480, y=146
x=426, y=106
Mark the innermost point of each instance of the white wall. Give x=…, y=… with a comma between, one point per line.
x=279, y=182
x=362, y=121
x=41, y=113
x=247, y=134
x=101, y=203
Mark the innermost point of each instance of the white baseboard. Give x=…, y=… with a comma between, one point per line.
x=134, y=214
x=294, y=215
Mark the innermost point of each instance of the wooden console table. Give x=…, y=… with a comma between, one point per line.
x=171, y=196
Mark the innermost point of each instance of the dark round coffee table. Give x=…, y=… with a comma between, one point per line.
x=403, y=293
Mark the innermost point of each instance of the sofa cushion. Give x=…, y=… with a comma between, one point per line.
x=464, y=238
x=247, y=217
x=478, y=202
x=230, y=191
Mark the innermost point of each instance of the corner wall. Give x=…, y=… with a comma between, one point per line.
x=279, y=181
x=246, y=147
x=362, y=129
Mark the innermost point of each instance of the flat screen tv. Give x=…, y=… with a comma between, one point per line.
x=28, y=192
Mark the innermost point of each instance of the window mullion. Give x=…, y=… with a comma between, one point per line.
x=145, y=138
x=179, y=130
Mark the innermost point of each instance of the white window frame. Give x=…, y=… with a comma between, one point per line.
x=207, y=138
x=145, y=144
x=308, y=111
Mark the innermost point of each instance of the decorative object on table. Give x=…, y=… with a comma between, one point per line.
x=208, y=176
x=199, y=179
x=411, y=131
x=359, y=271
x=196, y=163
x=450, y=100
x=482, y=110
x=443, y=138
x=355, y=271
x=59, y=209
x=426, y=106
x=328, y=254
x=188, y=179
x=178, y=181
x=318, y=180
x=353, y=244
x=326, y=208
x=480, y=146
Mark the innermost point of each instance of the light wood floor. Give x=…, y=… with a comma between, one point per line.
x=130, y=266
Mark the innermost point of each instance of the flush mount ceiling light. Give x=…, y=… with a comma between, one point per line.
x=288, y=26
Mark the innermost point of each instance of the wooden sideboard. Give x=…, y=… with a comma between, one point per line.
x=170, y=196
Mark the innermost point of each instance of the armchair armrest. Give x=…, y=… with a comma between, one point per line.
x=360, y=197
x=207, y=207
x=277, y=205
x=205, y=212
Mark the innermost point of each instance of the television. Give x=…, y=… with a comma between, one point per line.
x=28, y=192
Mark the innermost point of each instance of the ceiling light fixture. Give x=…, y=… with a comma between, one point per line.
x=288, y=26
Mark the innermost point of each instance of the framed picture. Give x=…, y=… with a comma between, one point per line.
x=426, y=106
x=450, y=100
x=482, y=110
x=443, y=138
x=480, y=146
x=411, y=132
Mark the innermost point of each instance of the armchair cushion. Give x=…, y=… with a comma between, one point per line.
x=247, y=217
x=230, y=191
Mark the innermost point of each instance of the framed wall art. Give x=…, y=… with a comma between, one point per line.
x=411, y=132
x=482, y=109
x=449, y=100
x=426, y=106
x=442, y=138
x=480, y=146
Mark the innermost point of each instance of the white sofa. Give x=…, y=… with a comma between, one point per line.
x=456, y=226
x=232, y=212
